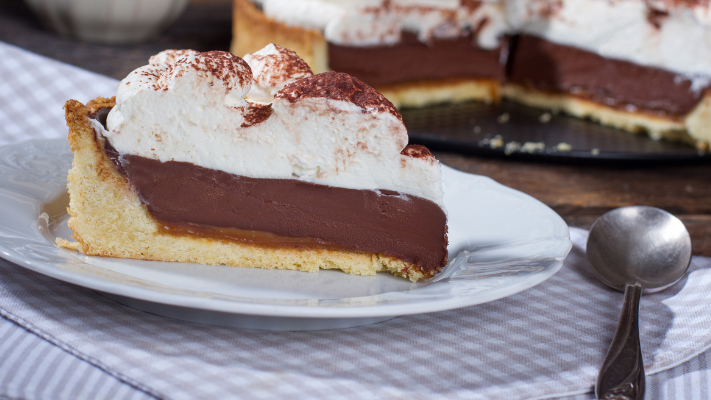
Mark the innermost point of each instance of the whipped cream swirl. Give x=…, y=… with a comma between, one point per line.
x=274, y=67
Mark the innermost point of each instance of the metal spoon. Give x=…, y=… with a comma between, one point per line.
x=633, y=249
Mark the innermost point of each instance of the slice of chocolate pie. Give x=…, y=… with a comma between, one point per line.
x=195, y=161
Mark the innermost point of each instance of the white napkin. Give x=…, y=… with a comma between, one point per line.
x=547, y=341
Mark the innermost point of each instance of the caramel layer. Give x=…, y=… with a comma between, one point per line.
x=260, y=238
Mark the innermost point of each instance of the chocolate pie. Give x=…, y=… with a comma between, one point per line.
x=638, y=65
x=254, y=162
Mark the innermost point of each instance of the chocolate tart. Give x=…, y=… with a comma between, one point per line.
x=253, y=30
x=155, y=205
x=525, y=69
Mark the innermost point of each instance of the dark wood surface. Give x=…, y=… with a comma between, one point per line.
x=579, y=193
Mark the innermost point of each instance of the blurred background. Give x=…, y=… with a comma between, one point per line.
x=203, y=25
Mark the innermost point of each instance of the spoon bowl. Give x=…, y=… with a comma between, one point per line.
x=639, y=244
x=634, y=249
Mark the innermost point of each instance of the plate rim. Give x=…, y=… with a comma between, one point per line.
x=269, y=310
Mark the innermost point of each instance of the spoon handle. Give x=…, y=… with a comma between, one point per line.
x=622, y=373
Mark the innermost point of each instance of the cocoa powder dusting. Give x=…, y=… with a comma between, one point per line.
x=470, y=5
x=417, y=151
x=220, y=65
x=338, y=86
x=287, y=65
x=256, y=113
x=224, y=65
x=656, y=17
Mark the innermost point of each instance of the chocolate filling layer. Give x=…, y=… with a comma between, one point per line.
x=551, y=67
x=406, y=227
x=411, y=60
x=188, y=198
x=525, y=60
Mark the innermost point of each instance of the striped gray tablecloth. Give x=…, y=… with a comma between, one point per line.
x=60, y=341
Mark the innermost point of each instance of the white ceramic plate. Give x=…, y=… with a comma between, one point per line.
x=505, y=242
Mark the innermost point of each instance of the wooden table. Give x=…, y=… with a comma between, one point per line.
x=579, y=193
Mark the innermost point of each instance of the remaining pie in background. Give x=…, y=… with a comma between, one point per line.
x=638, y=65
x=202, y=157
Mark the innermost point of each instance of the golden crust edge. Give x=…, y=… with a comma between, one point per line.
x=108, y=220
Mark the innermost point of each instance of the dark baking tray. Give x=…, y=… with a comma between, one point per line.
x=495, y=130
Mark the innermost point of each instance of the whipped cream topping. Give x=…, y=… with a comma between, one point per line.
x=169, y=57
x=328, y=129
x=668, y=34
x=274, y=67
x=213, y=80
x=380, y=22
